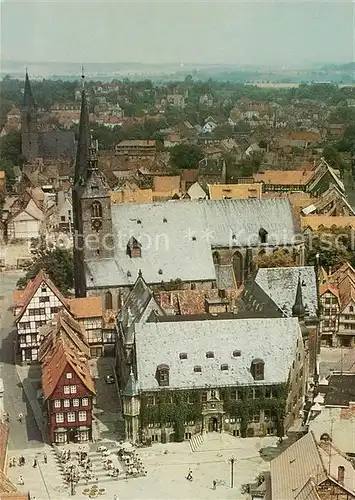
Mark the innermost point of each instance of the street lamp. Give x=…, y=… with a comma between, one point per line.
x=232, y=460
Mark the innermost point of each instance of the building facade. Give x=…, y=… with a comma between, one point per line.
x=34, y=306
x=202, y=380
x=68, y=391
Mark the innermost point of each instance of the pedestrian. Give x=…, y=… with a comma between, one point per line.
x=14, y=462
x=214, y=484
x=21, y=481
x=7, y=417
x=35, y=463
x=20, y=417
x=45, y=458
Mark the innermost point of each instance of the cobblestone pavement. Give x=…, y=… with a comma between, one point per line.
x=27, y=434
x=167, y=467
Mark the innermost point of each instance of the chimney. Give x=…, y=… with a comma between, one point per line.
x=341, y=474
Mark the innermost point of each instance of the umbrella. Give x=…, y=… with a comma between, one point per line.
x=126, y=446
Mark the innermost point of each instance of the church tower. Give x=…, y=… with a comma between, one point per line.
x=29, y=123
x=91, y=205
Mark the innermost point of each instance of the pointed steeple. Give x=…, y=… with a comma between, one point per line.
x=84, y=139
x=298, y=308
x=131, y=389
x=28, y=99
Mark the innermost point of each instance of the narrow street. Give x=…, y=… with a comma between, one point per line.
x=23, y=435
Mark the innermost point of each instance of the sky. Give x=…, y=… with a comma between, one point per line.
x=288, y=33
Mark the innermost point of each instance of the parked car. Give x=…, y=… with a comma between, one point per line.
x=110, y=379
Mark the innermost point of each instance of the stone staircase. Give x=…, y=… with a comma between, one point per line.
x=196, y=441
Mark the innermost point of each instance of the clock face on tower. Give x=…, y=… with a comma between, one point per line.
x=96, y=224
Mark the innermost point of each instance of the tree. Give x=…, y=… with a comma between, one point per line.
x=10, y=148
x=333, y=246
x=56, y=262
x=8, y=168
x=280, y=258
x=223, y=131
x=185, y=156
x=334, y=158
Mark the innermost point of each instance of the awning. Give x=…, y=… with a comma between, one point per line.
x=60, y=429
x=83, y=428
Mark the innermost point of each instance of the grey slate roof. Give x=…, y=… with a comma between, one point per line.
x=273, y=340
x=138, y=305
x=177, y=237
x=56, y=143
x=280, y=284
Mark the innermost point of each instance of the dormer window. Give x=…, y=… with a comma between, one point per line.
x=257, y=369
x=263, y=235
x=224, y=367
x=134, y=248
x=237, y=353
x=165, y=220
x=162, y=375
x=197, y=369
x=210, y=354
x=183, y=355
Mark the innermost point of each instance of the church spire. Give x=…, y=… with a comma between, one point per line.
x=28, y=99
x=298, y=308
x=82, y=154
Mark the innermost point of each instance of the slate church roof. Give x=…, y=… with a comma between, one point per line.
x=174, y=233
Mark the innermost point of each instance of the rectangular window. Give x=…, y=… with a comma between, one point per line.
x=73, y=389
x=57, y=403
x=204, y=396
x=59, y=418
x=75, y=402
x=268, y=392
x=67, y=389
x=150, y=400
x=69, y=375
x=234, y=395
x=54, y=310
x=66, y=403
x=82, y=416
x=85, y=402
x=44, y=299
x=71, y=416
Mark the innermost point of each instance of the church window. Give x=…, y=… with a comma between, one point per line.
x=108, y=300
x=96, y=210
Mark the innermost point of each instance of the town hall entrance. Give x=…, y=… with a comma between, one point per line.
x=213, y=424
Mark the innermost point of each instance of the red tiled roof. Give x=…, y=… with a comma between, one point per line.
x=190, y=175
x=22, y=300
x=62, y=329
x=53, y=368
x=86, y=307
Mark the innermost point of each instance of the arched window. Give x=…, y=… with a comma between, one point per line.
x=216, y=258
x=96, y=210
x=238, y=268
x=108, y=300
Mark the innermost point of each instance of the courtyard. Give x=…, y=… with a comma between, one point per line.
x=167, y=466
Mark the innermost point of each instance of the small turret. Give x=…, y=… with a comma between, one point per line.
x=298, y=308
